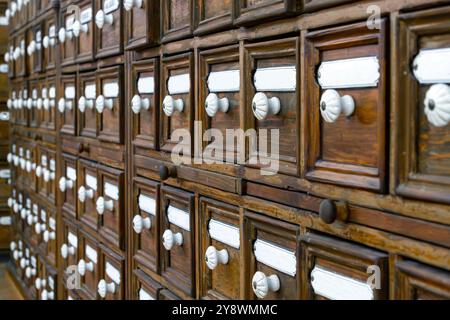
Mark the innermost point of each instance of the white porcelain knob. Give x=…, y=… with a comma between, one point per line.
x=30, y=219
x=48, y=41
x=39, y=103
x=262, y=106
x=31, y=47
x=24, y=263
x=16, y=207
x=65, y=184
x=6, y=57
x=12, y=246
x=9, y=158
x=49, y=235
x=38, y=171
x=17, y=254
x=83, y=103
x=84, y=266
x=129, y=4
x=9, y=104
x=66, y=251
x=104, y=288
x=64, y=105
x=29, y=103
x=213, y=104
x=83, y=193
x=39, y=228
x=23, y=213
x=140, y=223
x=16, y=54
x=64, y=34
x=78, y=27
x=47, y=295
x=170, y=239
x=101, y=18
x=137, y=103
x=101, y=102
x=213, y=257
x=40, y=283
x=103, y=205
x=11, y=202
x=437, y=105
x=46, y=175
x=332, y=105
x=262, y=284
x=170, y=105
x=30, y=272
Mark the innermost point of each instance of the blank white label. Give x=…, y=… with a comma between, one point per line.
x=5, y=221
x=86, y=16
x=52, y=93
x=91, y=182
x=179, y=218
x=225, y=233
x=179, y=84
x=3, y=21
x=91, y=254
x=276, y=79
x=111, y=90
x=147, y=204
x=144, y=295
x=72, y=239
x=4, y=116
x=111, y=191
x=52, y=165
x=4, y=68
x=432, y=66
x=34, y=94
x=224, y=81
x=71, y=173
x=276, y=257
x=43, y=215
x=44, y=93
x=35, y=209
x=69, y=92
x=146, y=85
x=89, y=92
x=69, y=22
x=52, y=223
x=112, y=273
x=5, y=173
x=110, y=5
x=51, y=31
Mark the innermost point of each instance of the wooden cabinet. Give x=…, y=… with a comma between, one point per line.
x=67, y=104
x=87, y=192
x=142, y=23
x=49, y=43
x=177, y=19
x=109, y=33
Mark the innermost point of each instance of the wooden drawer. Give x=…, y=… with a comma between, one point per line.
x=67, y=184
x=49, y=43
x=415, y=281
x=252, y=11
x=213, y=15
x=178, y=240
x=48, y=115
x=339, y=270
x=145, y=103
x=112, y=285
x=146, y=237
x=9, y=58
x=272, y=252
x=177, y=107
x=110, y=205
x=67, y=40
x=177, y=19
x=347, y=114
x=109, y=33
x=274, y=104
x=89, y=265
x=145, y=288
x=87, y=181
x=85, y=32
x=220, y=244
x=20, y=55
x=21, y=114
x=35, y=49
x=32, y=103
x=30, y=166
x=67, y=104
x=68, y=249
x=165, y=294
x=422, y=112
x=33, y=219
x=87, y=115
x=109, y=104
x=142, y=21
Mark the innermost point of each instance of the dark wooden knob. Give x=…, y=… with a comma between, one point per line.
x=166, y=172
x=328, y=211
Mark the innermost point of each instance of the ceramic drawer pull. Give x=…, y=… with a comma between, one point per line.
x=30, y=272
x=24, y=263
x=140, y=224
x=64, y=105
x=78, y=27
x=103, y=205
x=48, y=175
x=104, y=288
x=48, y=41
x=437, y=105
x=30, y=166
x=9, y=104
x=29, y=103
x=213, y=104
x=64, y=184
x=262, y=284
x=64, y=34
x=17, y=254
x=67, y=250
x=84, y=266
x=6, y=57
x=262, y=106
x=31, y=47
x=84, y=193
x=213, y=257
x=332, y=105
x=32, y=219
x=170, y=239
x=101, y=18
x=83, y=103
x=130, y=4
x=24, y=213
x=49, y=235
x=39, y=228
x=40, y=283
x=16, y=54
x=47, y=295
x=137, y=103
x=11, y=203
x=101, y=102
x=48, y=103
x=38, y=171
x=170, y=105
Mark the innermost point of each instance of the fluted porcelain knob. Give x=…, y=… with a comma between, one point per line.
x=66, y=251
x=17, y=254
x=101, y=102
x=16, y=54
x=83, y=103
x=63, y=104
x=140, y=223
x=83, y=193
x=170, y=239
x=129, y=4
x=48, y=41
x=103, y=205
x=137, y=103
x=11, y=202
x=213, y=104
x=31, y=47
x=39, y=103
x=12, y=246
x=38, y=171
x=262, y=284
x=30, y=272
x=16, y=207
x=39, y=228
x=29, y=103
x=78, y=27
x=23, y=263
x=23, y=213
x=40, y=283
x=9, y=158
x=437, y=105
x=46, y=175
x=6, y=57
x=49, y=235
x=9, y=104
x=101, y=18
x=65, y=184
x=30, y=219
x=84, y=266
x=64, y=34
x=262, y=106
x=104, y=288
x=170, y=105
x=47, y=295
x=213, y=257
x=19, y=103
x=332, y=105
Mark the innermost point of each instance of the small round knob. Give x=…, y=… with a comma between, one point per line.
x=12, y=246
x=31, y=47
x=262, y=106
x=23, y=213
x=213, y=257
x=262, y=284
x=170, y=105
x=6, y=57
x=23, y=163
x=45, y=42
x=84, y=266
x=129, y=4
x=11, y=202
x=103, y=205
x=437, y=105
x=170, y=239
x=39, y=103
x=65, y=184
x=83, y=103
x=39, y=228
x=63, y=105
x=49, y=235
x=140, y=223
x=23, y=263
x=213, y=104
x=104, y=288
x=29, y=103
x=16, y=207
x=328, y=211
x=83, y=193
x=30, y=272
x=101, y=102
x=137, y=103
x=16, y=254
x=30, y=220
x=40, y=283
x=46, y=175
x=66, y=251
x=78, y=27
x=9, y=158
x=64, y=34
x=332, y=105
x=16, y=54
x=101, y=18
x=166, y=172
x=47, y=295
x=38, y=171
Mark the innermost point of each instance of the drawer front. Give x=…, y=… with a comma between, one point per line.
x=89, y=266
x=112, y=286
x=35, y=48
x=110, y=205
x=87, y=115
x=177, y=19
x=22, y=111
x=109, y=33
x=145, y=288
x=67, y=104
x=49, y=104
x=67, y=40
x=347, y=115
x=45, y=173
x=220, y=244
x=423, y=122
x=220, y=95
x=68, y=250
x=20, y=55
x=86, y=32
x=49, y=43
x=144, y=103
x=49, y=243
x=315, y=5
x=30, y=166
x=177, y=245
x=213, y=15
x=416, y=281
x=32, y=103
x=67, y=184
x=10, y=58
x=146, y=224
x=273, y=256
x=339, y=270
x=274, y=104
x=51, y=174
x=177, y=105
x=109, y=104
x=142, y=22
x=251, y=11
x=88, y=192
